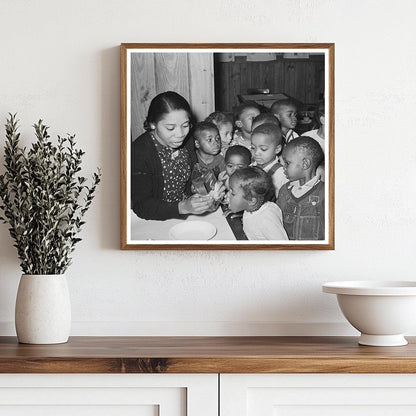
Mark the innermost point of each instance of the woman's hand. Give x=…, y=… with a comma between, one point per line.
x=195, y=204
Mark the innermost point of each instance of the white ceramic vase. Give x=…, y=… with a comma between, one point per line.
x=43, y=309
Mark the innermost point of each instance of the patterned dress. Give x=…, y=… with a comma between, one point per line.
x=176, y=168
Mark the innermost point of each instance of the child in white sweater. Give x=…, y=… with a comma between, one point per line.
x=250, y=191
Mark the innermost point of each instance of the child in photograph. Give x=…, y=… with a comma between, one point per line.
x=265, y=118
x=208, y=146
x=250, y=189
x=266, y=144
x=286, y=113
x=302, y=200
x=319, y=133
x=236, y=157
x=243, y=116
x=225, y=124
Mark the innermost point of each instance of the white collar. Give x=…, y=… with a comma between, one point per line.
x=298, y=190
x=269, y=165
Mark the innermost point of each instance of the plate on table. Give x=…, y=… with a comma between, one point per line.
x=193, y=230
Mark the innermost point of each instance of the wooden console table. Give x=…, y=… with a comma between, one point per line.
x=206, y=376
x=116, y=355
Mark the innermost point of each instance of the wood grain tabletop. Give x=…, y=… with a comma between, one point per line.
x=233, y=354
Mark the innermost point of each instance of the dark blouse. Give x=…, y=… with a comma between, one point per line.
x=148, y=181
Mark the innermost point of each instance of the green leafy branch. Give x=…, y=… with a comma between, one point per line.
x=44, y=198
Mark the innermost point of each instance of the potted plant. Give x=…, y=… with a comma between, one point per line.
x=44, y=199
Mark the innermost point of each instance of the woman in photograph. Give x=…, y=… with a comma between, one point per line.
x=161, y=163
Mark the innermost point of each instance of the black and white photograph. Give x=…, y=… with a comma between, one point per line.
x=227, y=146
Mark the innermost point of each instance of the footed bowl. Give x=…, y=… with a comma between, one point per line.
x=381, y=310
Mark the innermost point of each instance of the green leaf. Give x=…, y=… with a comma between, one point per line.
x=44, y=198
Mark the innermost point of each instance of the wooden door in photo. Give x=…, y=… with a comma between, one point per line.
x=189, y=74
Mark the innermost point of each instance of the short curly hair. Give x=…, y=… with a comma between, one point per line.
x=263, y=118
x=203, y=126
x=254, y=182
x=219, y=118
x=277, y=105
x=240, y=151
x=309, y=147
x=271, y=130
x=244, y=106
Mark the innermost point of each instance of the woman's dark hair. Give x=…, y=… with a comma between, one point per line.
x=164, y=103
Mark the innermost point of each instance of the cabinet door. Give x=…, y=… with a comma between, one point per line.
x=318, y=394
x=108, y=395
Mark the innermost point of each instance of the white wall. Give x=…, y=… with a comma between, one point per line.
x=60, y=62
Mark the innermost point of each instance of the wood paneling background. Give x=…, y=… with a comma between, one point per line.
x=192, y=76
x=189, y=74
x=302, y=79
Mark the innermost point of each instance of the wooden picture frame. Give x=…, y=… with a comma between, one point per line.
x=213, y=76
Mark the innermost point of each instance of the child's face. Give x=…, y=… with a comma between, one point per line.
x=263, y=148
x=226, y=133
x=245, y=122
x=172, y=129
x=233, y=163
x=208, y=142
x=237, y=201
x=293, y=164
x=287, y=116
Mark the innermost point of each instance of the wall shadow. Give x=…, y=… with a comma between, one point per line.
x=110, y=148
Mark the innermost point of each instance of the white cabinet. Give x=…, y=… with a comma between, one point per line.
x=317, y=394
x=197, y=394
x=109, y=394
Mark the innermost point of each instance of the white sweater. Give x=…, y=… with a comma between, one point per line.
x=265, y=223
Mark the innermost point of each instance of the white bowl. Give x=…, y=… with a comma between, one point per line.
x=381, y=311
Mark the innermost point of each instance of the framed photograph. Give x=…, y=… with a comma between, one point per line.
x=227, y=146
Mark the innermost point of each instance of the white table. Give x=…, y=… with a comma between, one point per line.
x=159, y=230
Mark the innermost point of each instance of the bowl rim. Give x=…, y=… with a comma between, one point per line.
x=371, y=288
